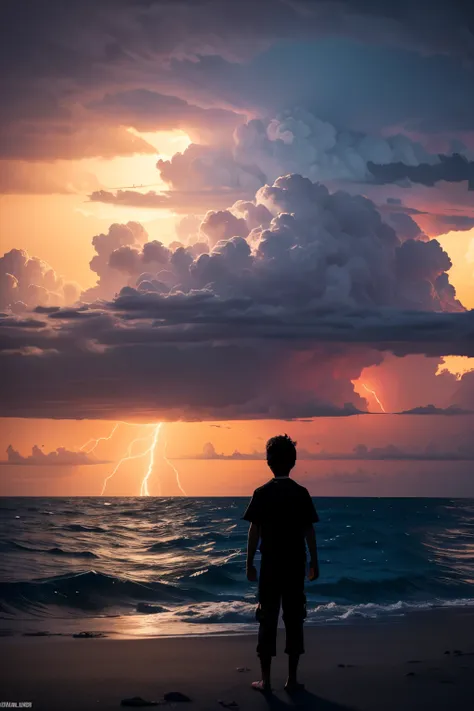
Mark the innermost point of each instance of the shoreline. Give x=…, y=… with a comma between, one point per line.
x=140, y=626
x=370, y=665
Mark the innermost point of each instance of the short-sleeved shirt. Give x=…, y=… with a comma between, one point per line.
x=283, y=509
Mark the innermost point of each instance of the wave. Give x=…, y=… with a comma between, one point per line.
x=179, y=542
x=81, y=528
x=91, y=590
x=388, y=590
x=14, y=545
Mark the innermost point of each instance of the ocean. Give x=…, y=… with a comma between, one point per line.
x=170, y=566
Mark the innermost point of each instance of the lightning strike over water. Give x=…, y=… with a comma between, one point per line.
x=128, y=457
x=374, y=394
x=144, y=487
x=151, y=451
x=174, y=469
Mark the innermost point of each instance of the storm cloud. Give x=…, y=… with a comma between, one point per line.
x=452, y=169
x=292, y=296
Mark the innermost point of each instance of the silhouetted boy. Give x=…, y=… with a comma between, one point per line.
x=281, y=515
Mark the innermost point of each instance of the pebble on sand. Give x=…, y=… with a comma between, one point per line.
x=177, y=696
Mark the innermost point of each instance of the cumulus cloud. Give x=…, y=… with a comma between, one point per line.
x=452, y=169
x=293, y=141
x=295, y=238
x=132, y=236
x=29, y=281
x=59, y=457
x=295, y=294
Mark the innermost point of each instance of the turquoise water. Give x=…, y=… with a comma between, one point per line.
x=176, y=565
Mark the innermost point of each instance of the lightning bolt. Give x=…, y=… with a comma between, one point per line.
x=173, y=468
x=372, y=392
x=130, y=456
x=99, y=439
x=150, y=450
x=144, y=487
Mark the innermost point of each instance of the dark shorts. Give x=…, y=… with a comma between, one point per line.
x=281, y=586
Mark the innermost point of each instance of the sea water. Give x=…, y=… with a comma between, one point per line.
x=153, y=566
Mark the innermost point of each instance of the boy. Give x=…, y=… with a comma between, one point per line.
x=281, y=515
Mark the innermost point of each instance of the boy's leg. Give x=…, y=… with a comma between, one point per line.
x=293, y=661
x=267, y=615
x=294, y=613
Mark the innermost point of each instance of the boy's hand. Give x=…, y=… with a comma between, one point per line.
x=313, y=573
x=251, y=573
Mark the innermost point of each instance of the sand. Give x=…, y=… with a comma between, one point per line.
x=382, y=666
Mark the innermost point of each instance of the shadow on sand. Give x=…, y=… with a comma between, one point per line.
x=304, y=700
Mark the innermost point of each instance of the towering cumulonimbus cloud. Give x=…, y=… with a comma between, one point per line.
x=295, y=141
x=131, y=235
x=28, y=281
x=272, y=311
x=295, y=240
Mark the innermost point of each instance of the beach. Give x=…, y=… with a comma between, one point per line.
x=372, y=665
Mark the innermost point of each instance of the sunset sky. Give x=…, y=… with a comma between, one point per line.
x=237, y=219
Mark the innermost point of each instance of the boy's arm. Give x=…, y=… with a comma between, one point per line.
x=310, y=536
x=252, y=543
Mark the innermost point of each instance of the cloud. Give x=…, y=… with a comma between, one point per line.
x=433, y=410
x=452, y=169
x=179, y=201
x=68, y=139
x=293, y=141
x=297, y=292
x=147, y=110
x=80, y=77
x=28, y=281
x=59, y=457
x=402, y=220
x=464, y=452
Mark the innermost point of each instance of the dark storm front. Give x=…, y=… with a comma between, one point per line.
x=182, y=561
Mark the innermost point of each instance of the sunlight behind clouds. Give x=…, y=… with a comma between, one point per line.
x=137, y=172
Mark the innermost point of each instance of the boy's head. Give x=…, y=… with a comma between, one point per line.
x=281, y=455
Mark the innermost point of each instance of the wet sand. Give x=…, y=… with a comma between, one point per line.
x=378, y=666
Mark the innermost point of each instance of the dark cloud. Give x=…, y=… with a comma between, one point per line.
x=74, y=66
x=295, y=294
x=452, y=169
x=198, y=357
x=150, y=111
x=60, y=457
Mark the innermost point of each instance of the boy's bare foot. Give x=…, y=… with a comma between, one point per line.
x=293, y=686
x=263, y=686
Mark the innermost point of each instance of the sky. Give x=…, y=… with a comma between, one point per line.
x=225, y=221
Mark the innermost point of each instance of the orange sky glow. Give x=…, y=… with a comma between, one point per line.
x=58, y=228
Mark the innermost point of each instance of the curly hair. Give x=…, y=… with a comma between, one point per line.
x=281, y=453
